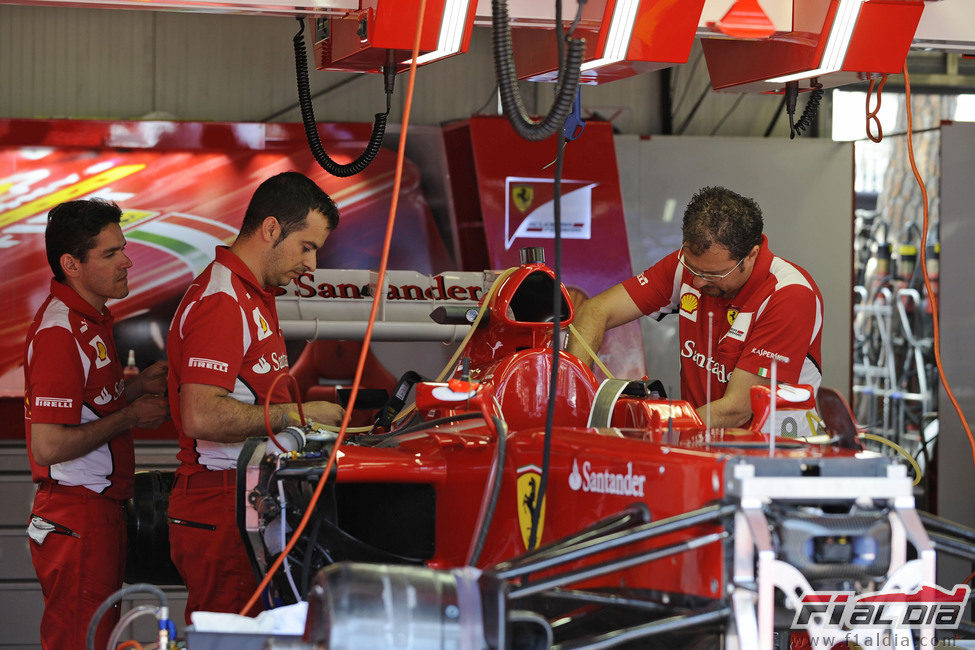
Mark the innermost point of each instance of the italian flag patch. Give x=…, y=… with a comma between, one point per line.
x=763, y=372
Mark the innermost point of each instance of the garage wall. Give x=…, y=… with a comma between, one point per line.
x=126, y=64
x=956, y=480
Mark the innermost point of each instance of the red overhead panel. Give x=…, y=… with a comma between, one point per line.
x=833, y=42
x=362, y=41
x=623, y=38
x=745, y=19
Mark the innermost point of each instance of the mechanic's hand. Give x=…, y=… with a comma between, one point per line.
x=150, y=411
x=153, y=378
x=323, y=412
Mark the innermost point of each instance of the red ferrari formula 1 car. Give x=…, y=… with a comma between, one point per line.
x=623, y=522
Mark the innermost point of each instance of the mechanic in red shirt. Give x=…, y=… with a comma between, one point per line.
x=225, y=348
x=724, y=280
x=78, y=413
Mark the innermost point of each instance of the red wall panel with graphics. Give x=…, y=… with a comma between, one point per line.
x=504, y=195
x=183, y=188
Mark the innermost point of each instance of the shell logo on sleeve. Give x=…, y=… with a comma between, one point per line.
x=101, y=352
x=690, y=300
x=263, y=329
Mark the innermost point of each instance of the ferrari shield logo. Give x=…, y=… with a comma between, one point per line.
x=529, y=480
x=522, y=196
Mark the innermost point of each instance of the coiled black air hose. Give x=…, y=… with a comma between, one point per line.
x=511, y=102
x=808, y=112
x=311, y=127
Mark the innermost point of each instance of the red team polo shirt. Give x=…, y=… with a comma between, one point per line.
x=777, y=314
x=225, y=333
x=72, y=376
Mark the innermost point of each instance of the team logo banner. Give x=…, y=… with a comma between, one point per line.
x=173, y=222
x=523, y=221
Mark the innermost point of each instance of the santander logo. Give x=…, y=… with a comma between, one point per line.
x=719, y=370
x=606, y=481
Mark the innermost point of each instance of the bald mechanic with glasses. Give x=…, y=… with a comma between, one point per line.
x=724, y=281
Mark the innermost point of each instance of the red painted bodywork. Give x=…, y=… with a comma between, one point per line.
x=362, y=40
x=658, y=450
x=503, y=193
x=881, y=38
x=663, y=33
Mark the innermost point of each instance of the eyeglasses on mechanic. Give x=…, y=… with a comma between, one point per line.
x=706, y=276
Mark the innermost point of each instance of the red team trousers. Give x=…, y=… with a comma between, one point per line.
x=205, y=544
x=79, y=564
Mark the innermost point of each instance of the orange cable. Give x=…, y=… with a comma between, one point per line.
x=872, y=115
x=129, y=644
x=924, y=268
x=400, y=157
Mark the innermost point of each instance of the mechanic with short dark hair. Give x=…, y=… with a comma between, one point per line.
x=724, y=281
x=79, y=412
x=225, y=349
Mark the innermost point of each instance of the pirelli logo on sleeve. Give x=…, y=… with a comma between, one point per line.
x=54, y=402
x=208, y=364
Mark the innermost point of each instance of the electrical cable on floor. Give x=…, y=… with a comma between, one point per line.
x=932, y=296
x=367, y=338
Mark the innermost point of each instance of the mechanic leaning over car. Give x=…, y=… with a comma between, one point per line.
x=724, y=279
x=78, y=415
x=225, y=348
